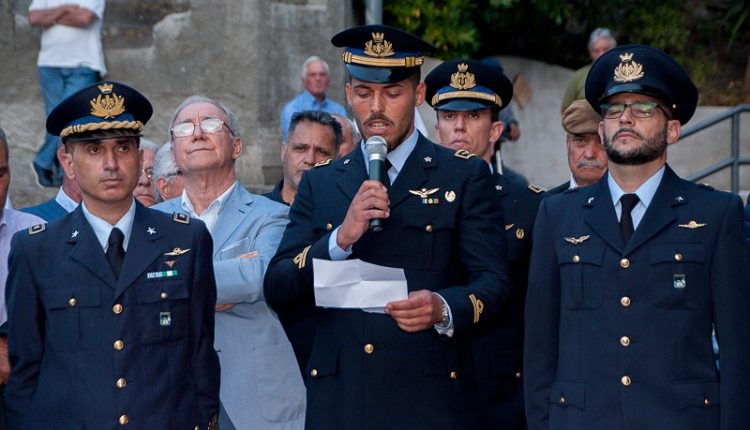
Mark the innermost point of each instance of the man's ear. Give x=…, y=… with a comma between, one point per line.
x=673, y=131
x=65, y=156
x=496, y=130
x=420, y=95
x=236, y=148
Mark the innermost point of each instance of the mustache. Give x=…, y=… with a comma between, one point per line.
x=627, y=130
x=590, y=163
x=378, y=117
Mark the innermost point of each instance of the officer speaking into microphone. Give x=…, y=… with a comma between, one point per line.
x=407, y=368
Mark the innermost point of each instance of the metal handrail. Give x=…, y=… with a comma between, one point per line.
x=735, y=160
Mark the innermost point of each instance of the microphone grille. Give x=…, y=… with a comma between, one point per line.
x=377, y=146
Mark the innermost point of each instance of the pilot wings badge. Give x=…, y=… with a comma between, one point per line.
x=425, y=194
x=177, y=251
x=577, y=240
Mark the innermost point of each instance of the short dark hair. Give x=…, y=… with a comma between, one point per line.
x=319, y=117
x=4, y=142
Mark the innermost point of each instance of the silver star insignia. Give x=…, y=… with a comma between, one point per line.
x=591, y=199
x=499, y=187
x=679, y=198
x=74, y=234
x=428, y=159
x=347, y=161
x=151, y=230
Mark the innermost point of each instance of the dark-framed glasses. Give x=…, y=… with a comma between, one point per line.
x=637, y=109
x=208, y=125
x=149, y=172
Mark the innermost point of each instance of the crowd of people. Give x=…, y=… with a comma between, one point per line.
x=170, y=297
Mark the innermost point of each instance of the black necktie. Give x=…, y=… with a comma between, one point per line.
x=628, y=202
x=387, y=178
x=115, y=252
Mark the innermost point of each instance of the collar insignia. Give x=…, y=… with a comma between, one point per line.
x=463, y=79
x=151, y=230
x=177, y=251
x=679, y=199
x=692, y=225
x=499, y=187
x=577, y=240
x=589, y=201
x=628, y=70
x=347, y=161
x=428, y=159
x=74, y=234
x=378, y=46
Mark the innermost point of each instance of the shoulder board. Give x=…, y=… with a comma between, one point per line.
x=462, y=153
x=536, y=188
x=705, y=185
x=323, y=163
x=34, y=229
x=181, y=218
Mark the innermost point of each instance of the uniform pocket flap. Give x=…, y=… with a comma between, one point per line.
x=323, y=361
x=60, y=298
x=158, y=291
x=566, y=393
x=678, y=252
x=700, y=394
x=580, y=254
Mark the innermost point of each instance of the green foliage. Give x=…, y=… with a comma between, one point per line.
x=708, y=37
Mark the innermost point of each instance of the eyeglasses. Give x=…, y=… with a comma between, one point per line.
x=149, y=172
x=208, y=125
x=173, y=174
x=637, y=109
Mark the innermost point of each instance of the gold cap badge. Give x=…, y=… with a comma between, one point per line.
x=628, y=70
x=378, y=46
x=463, y=79
x=108, y=106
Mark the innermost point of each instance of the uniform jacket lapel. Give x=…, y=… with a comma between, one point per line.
x=414, y=172
x=353, y=174
x=142, y=247
x=660, y=212
x=601, y=216
x=87, y=250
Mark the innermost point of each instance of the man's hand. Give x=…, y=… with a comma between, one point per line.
x=4, y=362
x=370, y=202
x=422, y=310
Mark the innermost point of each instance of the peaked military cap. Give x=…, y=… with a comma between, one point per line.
x=381, y=54
x=467, y=85
x=644, y=70
x=101, y=107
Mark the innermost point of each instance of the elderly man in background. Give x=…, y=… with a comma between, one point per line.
x=65, y=201
x=261, y=387
x=144, y=191
x=587, y=157
x=167, y=177
x=315, y=79
x=601, y=40
x=350, y=136
x=11, y=221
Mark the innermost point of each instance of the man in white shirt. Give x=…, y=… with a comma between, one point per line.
x=70, y=58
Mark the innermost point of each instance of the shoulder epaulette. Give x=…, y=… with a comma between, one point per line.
x=34, y=229
x=705, y=185
x=181, y=218
x=536, y=188
x=462, y=153
x=323, y=163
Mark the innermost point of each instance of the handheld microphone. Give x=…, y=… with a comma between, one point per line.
x=376, y=148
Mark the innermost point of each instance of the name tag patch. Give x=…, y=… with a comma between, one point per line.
x=162, y=274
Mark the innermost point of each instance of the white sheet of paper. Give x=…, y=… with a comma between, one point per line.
x=356, y=284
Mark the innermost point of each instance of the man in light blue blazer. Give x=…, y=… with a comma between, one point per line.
x=261, y=386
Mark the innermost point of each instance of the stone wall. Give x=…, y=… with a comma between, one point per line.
x=248, y=54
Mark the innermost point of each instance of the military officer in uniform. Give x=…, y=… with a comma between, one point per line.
x=468, y=96
x=629, y=276
x=111, y=308
x=411, y=367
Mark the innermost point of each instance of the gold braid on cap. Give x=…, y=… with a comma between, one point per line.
x=97, y=126
x=350, y=58
x=437, y=98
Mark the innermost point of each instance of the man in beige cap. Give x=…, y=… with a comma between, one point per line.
x=586, y=155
